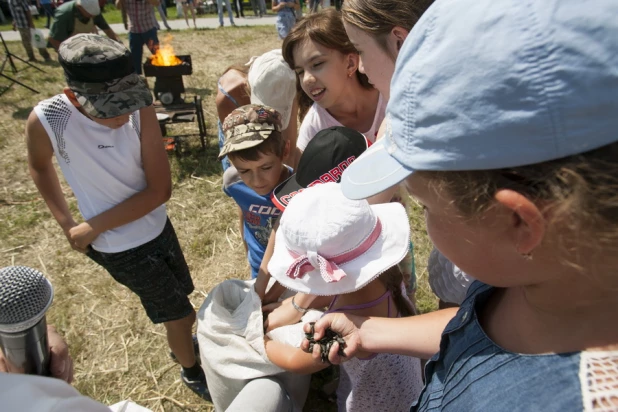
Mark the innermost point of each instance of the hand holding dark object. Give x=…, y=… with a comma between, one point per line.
x=346, y=326
x=330, y=341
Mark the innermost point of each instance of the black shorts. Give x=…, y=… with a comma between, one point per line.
x=156, y=272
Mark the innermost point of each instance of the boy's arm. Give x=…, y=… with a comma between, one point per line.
x=263, y=275
x=284, y=313
x=292, y=359
x=40, y=153
x=158, y=186
x=242, y=229
x=123, y=12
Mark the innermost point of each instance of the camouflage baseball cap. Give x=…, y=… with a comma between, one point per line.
x=248, y=126
x=100, y=72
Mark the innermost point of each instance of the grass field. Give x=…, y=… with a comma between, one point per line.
x=118, y=353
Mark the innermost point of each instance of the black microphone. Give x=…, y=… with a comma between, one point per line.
x=25, y=296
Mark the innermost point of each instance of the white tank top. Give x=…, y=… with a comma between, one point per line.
x=103, y=166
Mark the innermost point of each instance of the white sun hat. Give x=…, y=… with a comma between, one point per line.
x=328, y=244
x=273, y=83
x=91, y=6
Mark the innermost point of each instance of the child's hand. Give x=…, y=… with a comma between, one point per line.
x=280, y=314
x=343, y=324
x=81, y=236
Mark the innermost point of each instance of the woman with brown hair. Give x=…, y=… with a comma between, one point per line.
x=330, y=89
x=377, y=29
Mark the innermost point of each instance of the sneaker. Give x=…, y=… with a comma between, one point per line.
x=198, y=386
x=196, y=350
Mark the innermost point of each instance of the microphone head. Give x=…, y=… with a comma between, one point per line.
x=25, y=296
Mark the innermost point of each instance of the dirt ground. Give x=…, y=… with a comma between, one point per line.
x=118, y=353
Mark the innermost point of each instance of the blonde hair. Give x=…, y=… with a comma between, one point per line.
x=582, y=191
x=378, y=17
x=326, y=29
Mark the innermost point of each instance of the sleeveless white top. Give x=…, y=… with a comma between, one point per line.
x=103, y=166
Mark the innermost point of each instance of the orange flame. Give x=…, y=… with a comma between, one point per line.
x=165, y=54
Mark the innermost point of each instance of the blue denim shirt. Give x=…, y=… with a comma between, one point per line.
x=472, y=373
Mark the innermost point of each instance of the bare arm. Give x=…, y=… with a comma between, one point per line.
x=155, y=3
x=276, y=6
x=110, y=33
x=291, y=134
x=263, y=276
x=292, y=359
x=40, y=152
x=55, y=43
x=242, y=228
x=158, y=186
x=417, y=336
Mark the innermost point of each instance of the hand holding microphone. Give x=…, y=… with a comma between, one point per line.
x=25, y=296
x=60, y=365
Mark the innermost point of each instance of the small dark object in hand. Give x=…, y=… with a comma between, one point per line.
x=327, y=341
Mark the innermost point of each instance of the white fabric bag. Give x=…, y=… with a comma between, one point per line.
x=230, y=331
x=38, y=39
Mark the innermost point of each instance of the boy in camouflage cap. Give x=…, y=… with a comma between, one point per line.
x=256, y=148
x=105, y=135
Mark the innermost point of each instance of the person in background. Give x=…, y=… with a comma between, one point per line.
x=255, y=5
x=105, y=136
x=229, y=11
x=162, y=9
x=142, y=25
x=238, y=9
x=514, y=160
x=75, y=17
x=49, y=7
x=186, y=6
x=286, y=15
x=22, y=21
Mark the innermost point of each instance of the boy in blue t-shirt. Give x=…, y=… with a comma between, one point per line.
x=255, y=147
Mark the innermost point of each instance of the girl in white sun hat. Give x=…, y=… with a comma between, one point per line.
x=346, y=252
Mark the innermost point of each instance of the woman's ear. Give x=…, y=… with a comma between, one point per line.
x=352, y=63
x=398, y=36
x=71, y=96
x=528, y=223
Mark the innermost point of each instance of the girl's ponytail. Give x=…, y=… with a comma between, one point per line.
x=392, y=279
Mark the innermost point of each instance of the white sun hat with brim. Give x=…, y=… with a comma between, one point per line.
x=328, y=244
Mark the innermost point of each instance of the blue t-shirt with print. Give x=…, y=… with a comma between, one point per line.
x=259, y=214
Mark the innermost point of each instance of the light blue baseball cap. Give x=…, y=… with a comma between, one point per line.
x=491, y=84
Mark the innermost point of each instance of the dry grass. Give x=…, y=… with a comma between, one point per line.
x=119, y=354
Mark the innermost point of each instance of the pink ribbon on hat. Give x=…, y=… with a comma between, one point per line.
x=328, y=267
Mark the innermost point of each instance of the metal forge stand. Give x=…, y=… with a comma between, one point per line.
x=171, y=105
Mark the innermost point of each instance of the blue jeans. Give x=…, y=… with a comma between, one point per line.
x=220, y=11
x=136, y=44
